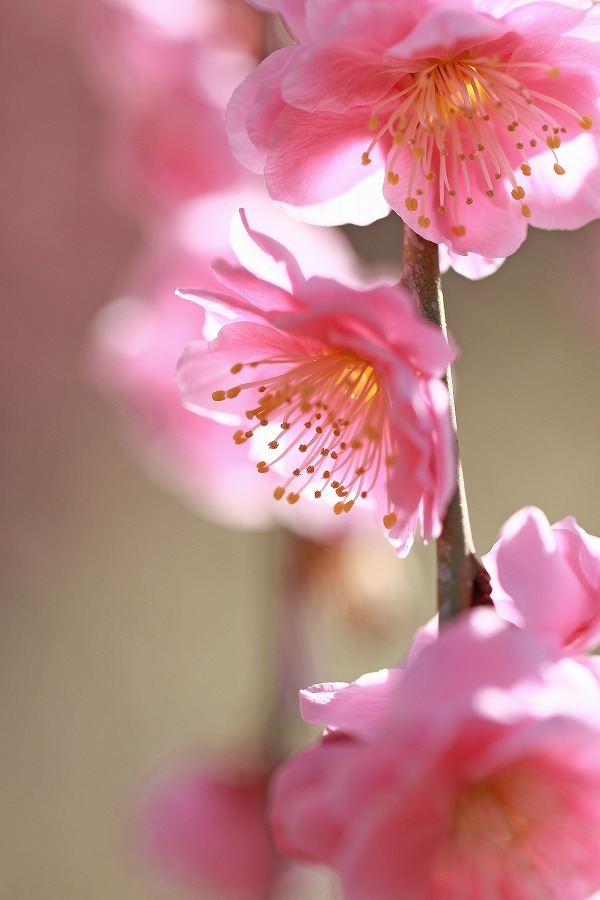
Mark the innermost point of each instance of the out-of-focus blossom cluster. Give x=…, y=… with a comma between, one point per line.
x=157, y=63
x=473, y=771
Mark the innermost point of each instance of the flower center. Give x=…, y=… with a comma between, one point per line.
x=331, y=419
x=454, y=118
x=494, y=811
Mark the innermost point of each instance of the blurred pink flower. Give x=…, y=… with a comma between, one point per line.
x=166, y=70
x=478, y=776
x=341, y=392
x=206, y=829
x=138, y=338
x=546, y=578
x=471, y=119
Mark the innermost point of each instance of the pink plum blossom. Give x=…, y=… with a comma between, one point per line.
x=470, y=118
x=138, y=338
x=335, y=389
x=206, y=828
x=477, y=776
x=546, y=578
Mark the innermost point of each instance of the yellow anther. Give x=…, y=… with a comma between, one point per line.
x=525, y=211
x=441, y=209
x=553, y=141
x=586, y=123
x=558, y=169
x=233, y=392
x=553, y=72
x=490, y=193
x=411, y=204
x=418, y=151
x=292, y=498
x=469, y=201
x=459, y=230
x=393, y=177
x=339, y=507
x=389, y=520
x=279, y=492
x=373, y=123
x=239, y=437
x=366, y=159
x=262, y=467
x=526, y=170
x=218, y=395
x=424, y=222
x=237, y=368
x=348, y=506
x=518, y=193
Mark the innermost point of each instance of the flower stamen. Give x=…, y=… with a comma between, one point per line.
x=333, y=420
x=454, y=112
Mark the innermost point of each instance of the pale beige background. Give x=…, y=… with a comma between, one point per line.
x=132, y=632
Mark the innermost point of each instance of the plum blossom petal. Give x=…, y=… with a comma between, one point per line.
x=292, y=12
x=481, y=780
x=475, y=111
x=355, y=709
x=336, y=389
x=470, y=266
x=546, y=578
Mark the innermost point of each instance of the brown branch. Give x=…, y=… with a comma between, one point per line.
x=462, y=580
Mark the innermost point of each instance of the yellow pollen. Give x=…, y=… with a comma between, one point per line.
x=424, y=222
x=586, y=123
x=558, y=169
x=518, y=193
x=393, y=177
x=553, y=142
x=526, y=170
x=459, y=230
x=366, y=159
x=411, y=204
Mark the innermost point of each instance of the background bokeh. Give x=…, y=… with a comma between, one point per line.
x=132, y=631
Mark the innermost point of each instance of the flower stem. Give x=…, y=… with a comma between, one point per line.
x=462, y=581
